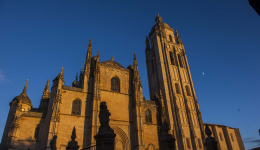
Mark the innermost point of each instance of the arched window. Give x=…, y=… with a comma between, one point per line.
x=188, y=143
x=180, y=61
x=188, y=90
x=220, y=136
x=76, y=107
x=171, y=57
x=232, y=138
x=170, y=37
x=199, y=142
x=148, y=116
x=115, y=84
x=36, y=132
x=177, y=87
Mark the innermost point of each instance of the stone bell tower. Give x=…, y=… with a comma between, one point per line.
x=171, y=87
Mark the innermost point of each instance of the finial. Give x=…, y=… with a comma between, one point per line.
x=89, y=43
x=77, y=77
x=158, y=18
x=25, y=88
x=112, y=58
x=134, y=56
x=81, y=71
x=208, y=131
x=97, y=53
x=61, y=72
x=73, y=135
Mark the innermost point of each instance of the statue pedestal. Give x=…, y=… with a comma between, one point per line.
x=167, y=142
x=211, y=143
x=105, y=141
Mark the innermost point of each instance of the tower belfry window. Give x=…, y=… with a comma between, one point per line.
x=115, y=84
x=177, y=87
x=180, y=60
x=172, y=58
x=170, y=37
x=188, y=90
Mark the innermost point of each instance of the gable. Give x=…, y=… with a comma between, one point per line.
x=112, y=63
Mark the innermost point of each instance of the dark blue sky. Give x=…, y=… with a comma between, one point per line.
x=221, y=39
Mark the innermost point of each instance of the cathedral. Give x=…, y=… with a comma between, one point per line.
x=137, y=122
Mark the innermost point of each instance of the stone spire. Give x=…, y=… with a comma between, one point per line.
x=60, y=76
x=147, y=48
x=135, y=61
x=158, y=18
x=46, y=91
x=112, y=58
x=76, y=81
x=25, y=88
x=89, y=53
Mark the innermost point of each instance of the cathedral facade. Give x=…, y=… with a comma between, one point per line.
x=136, y=122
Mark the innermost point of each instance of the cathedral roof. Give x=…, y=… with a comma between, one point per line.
x=23, y=96
x=112, y=63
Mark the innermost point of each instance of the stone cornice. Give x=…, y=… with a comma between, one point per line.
x=32, y=114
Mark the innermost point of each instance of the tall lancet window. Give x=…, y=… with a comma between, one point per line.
x=177, y=87
x=115, y=84
x=148, y=116
x=172, y=58
x=180, y=60
x=76, y=107
x=188, y=90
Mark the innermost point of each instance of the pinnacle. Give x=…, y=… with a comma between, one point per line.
x=25, y=88
x=73, y=135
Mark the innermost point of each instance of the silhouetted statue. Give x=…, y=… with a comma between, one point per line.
x=105, y=139
x=210, y=142
x=53, y=143
x=167, y=141
x=104, y=119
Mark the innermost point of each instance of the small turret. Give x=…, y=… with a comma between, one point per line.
x=23, y=98
x=59, y=81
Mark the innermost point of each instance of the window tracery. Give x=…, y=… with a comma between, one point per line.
x=148, y=116
x=115, y=84
x=76, y=107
